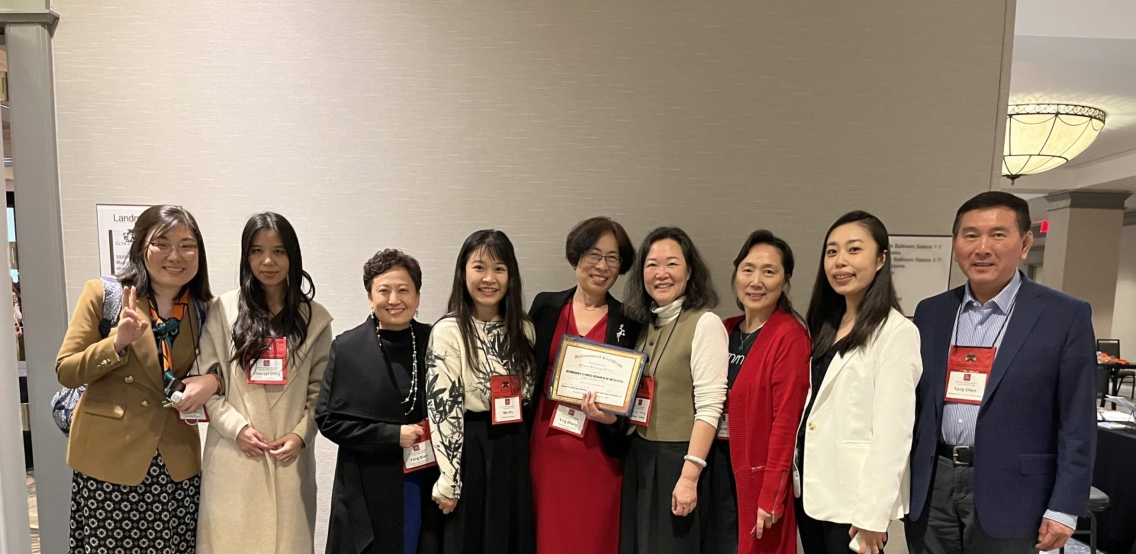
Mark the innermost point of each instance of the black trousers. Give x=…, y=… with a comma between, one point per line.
x=949, y=523
x=822, y=537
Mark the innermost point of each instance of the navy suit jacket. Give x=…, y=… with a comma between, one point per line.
x=1035, y=438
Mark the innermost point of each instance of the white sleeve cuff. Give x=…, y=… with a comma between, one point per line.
x=1064, y=519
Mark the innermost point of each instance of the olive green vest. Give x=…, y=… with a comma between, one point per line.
x=670, y=348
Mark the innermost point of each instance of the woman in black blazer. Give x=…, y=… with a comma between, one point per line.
x=577, y=474
x=373, y=405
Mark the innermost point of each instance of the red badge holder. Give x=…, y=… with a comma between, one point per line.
x=968, y=369
x=505, y=394
x=419, y=455
x=641, y=409
x=272, y=366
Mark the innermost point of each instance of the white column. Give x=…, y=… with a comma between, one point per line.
x=35, y=161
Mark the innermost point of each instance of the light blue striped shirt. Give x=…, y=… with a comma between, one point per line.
x=983, y=325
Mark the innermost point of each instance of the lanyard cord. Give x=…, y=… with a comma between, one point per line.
x=1002, y=329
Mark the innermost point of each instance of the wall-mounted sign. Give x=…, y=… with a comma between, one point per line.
x=920, y=268
x=116, y=235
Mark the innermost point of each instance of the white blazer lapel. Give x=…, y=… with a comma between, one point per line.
x=839, y=362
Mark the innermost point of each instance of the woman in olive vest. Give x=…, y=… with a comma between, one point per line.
x=670, y=290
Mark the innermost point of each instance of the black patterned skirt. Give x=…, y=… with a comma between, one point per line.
x=158, y=516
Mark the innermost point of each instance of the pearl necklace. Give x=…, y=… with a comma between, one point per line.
x=412, y=396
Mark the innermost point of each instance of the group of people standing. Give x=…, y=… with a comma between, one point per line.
x=975, y=421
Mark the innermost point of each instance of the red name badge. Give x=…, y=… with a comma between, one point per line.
x=419, y=455
x=272, y=367
x=506, y=396
x=570, y=419
x=724, y=423
x=641, y=410
x=968, y=368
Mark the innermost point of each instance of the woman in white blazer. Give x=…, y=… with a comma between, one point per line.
x=851, y=467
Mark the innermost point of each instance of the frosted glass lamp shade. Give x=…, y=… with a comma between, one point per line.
x=1040, y=137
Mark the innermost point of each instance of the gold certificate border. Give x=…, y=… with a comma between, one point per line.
x=633, y=386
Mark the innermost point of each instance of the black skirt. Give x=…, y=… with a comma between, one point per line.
x=495, y=512
x=720, y=522
x=157, y=516
x=650, y=473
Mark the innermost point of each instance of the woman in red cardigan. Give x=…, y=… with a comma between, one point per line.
x=769, y=381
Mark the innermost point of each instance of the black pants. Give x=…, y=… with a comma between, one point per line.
x=949, y=524
x=822, y=537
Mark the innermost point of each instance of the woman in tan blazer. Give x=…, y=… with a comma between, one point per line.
x=270, y=342
x=136, y=463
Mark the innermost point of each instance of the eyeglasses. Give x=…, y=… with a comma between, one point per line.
x=185, y=250
x=593, y=258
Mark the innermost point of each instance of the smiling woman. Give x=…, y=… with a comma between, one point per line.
x=577, y=477
x=373, y=406
x=670, y=290
x=854, y=443
x=127, y=442
x=479, y=374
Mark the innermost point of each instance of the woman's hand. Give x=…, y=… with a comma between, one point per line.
x=685, y=497
x=287, y=448
x=871, y=542
x=251, y=442
x=765, y=520
x=131, y=324
x=447, y=505
x=198, y=390
x=593, y=412
x=410, y=435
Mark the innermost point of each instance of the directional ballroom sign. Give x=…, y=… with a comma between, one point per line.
x=920, y=268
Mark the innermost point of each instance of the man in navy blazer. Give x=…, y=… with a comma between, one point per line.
x=1005, y=434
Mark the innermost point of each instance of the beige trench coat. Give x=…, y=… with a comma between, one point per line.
x=259, y=505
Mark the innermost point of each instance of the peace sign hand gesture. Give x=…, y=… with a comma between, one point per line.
x=131, y=324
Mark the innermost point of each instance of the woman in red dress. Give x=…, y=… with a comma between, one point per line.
x=769, y=381
x=577, y=480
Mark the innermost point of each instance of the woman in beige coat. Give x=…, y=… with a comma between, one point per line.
x=270, y=342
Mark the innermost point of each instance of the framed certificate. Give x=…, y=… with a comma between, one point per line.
x=584, y=366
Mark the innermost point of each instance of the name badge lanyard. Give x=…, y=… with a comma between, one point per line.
x=645, y=397
x=1001, y=329
x=968, y=367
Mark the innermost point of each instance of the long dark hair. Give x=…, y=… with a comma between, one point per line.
x=517, y=352
x=827, y=307
x=255, y=323
x=699, y=293
x=762, y=236
x=158, y=220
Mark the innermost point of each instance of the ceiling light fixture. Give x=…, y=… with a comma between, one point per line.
x=1040, y=137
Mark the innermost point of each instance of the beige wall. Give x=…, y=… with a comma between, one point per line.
x=411, y=124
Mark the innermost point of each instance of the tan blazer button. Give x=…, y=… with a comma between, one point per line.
x=812, y=427
x=129, y=379
x=145, y=403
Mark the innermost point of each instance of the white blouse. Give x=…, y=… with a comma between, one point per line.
x=453, y=388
